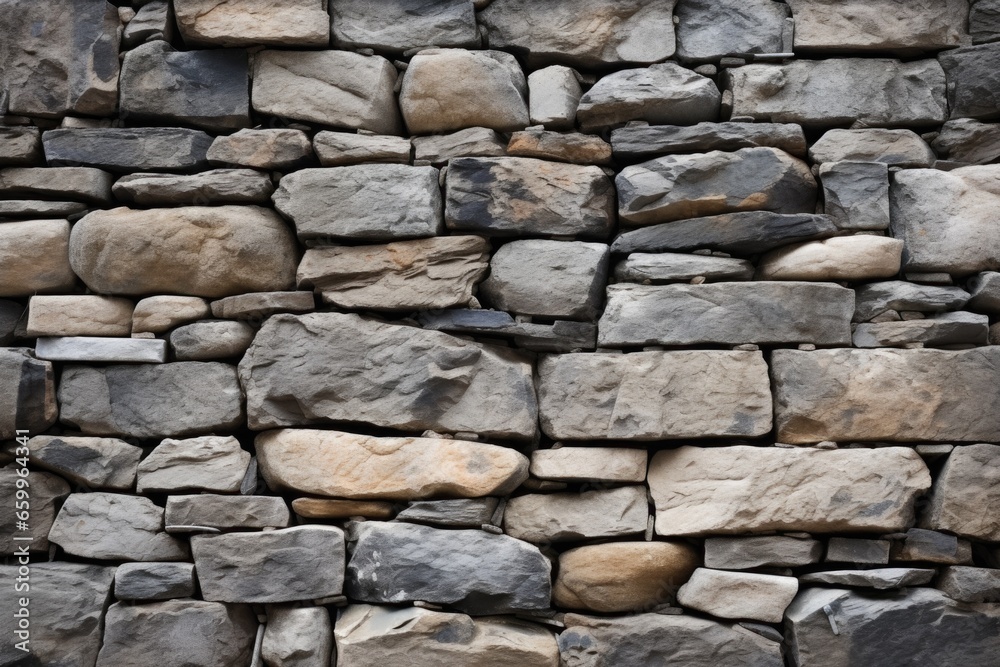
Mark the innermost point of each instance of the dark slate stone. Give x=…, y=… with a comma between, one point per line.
x=127, y=150
x=460, y=512
x=38, y=209
x=984, y=20
x=973, y=74
x=633, y=144
x=560, y=336
x=874, y=299
x=154, y=581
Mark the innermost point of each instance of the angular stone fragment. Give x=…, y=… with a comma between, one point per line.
x=218, y=186
x=227, y=512
x=856, y=194
x=401, y=25
x=968, y=140
x=268, y=22
x=457, y=513
x=45, y=491
x=35, y=208
x=22, y=146
x=562, y=517
x=607, y=396
x=371, y=202
x=206, y=89
x=335, y=88
x=650, y=639
x=944, y=329
x=639, y=142
x=853, y=550
x=985, y=289
x=194, y=250
x=507, y=196
x=560, y=336
x=257, y=306
x=886, y=395
x=560, y=146
x=154, y=581
x=742, y=489
x=113, y=526
x=688, y=186
x=145, y=635
x=709, y=31
x=970, y=584
x=880, y=578
x=593, y=34
x=338, y=149
x=984, y=21
x=972, y=81
x=60, y=57
x=438, y=149
x=207, y=463
x=896, y=148
x=661, y=94
x=914, y=626
x=151, y=400
x=152, y=21
x=300, y=563
x=424, y=274
x=345, y=465
x=599, y=464
x=860, y=257
x=623, y=576
x=745, y=553
x=726, y=313
x=297, y=637
x=79, y=315
x=838, y=91
x=34, y=257
x=27, y=393
x=968, y=483
x=100, y=463
x=874, y=299
x=371, y=636
x=262, y=149
x=107, y=350
x=451, y=89
x=671, y=267
x=554, y=93
x=204, y=341
x=325, y=508
x=78, y=183
x=929, y=546
x=126, y=150
x=761, y=597
x=156, y=314
x=471, y=570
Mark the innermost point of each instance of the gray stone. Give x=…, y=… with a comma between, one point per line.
x=11, y=313
x=886, y=578
x=916, y=626
x=701, y=393
x=554, y=93
x=22, y=146
x=592, y=34
x=218, y=186
x=968, y=140
x=839, y=91
x=338, y=149
x=571, y=147
x=227, y=512
x=672, y=267
x=856, y=194
x=335, y=88
x=66, y=607
x=151, y=400
x=661, y=94
x=114, y=526
x=643, y=142
x=127, y=150
x=156, y=314
x=968, y=483
x=300, y=563
x=154, y=581
x=451, y=89
x=253, y=22
x=106, y=350
x=35, y=208
x=439, y=272
x=472, y=571
x=152, y=21
x=724, y=594
x=727, y=314
x=371, y=202
x=984, y=21
x=513, y=195
x=206, y=89
x=945, y=329
x=400, y=25
x=600, y=464
x=262, y=149
x=973, y=81
x=854, y=550
x=438, y=149
x=746, y=489
x=985, y=290
x=874, y=299
x=204, y=341
x=27, y=393
x=59, y=58
x=571, y=516
x=560, y=336
x=746, y=553
x=79, y=315
x=45, y=491
x=970, y=584
x=886, y=395
x=458, y=513
x=206, y=463
x=651, y=639
x=675, y=187
x=99, y=463
x=709, y=31
x=297, y=637
x=258, y=305
x=929, y=546
x=896, y=148
x=84, y=184
x=146, y=635
x=858, y=257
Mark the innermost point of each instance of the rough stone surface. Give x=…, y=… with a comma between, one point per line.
x=204, y=341
x=599, y=464
x=22, y=146
x=857, y=551
x=126, y=150
x=36, y=208
x=438, y=149
x=34, y=257
x=859, y=257
x=553, y=95
x=761, y=597
x=944, y=329
x=574, y=147
x=640, y=142
x=338, y=149
x=709, y=31
x=968, y=140
x=226, y=512
x=856, y=194
x=262, y=149
x=879, y=579
x=85, y=184
x=256, y=306
x=325, y=508
x=668, y=267
x=154, y=581
x=928, y=546
x=106, y=350
x=972, y=81
x=27, y=399
x=280, y=23
x=152, y=21
x=873, y=299
x=970, y=584
x=45, y=491
x=298, y=637
x=560, y=336
x=79, y=315
x=99, y=463
x=207, y=463
x=401, y=25
x=457, y=513
x=218, y=186
x=985, y=293
x=896, y=148
x=560, y=517
x=966, y=493
x=156, y=314
x=745, y=553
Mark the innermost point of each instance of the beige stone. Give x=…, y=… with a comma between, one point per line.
x=79, y=315
x=253, y=22
x=966, y=496
x=563, y=147
x=329, y=508
x=34, y=257
x=573, y=515
x=604, y=464
x=897, y=148
x=759, y=597
x=332, y=463
x=861, y=257
x=623, y=576
x=157, y=314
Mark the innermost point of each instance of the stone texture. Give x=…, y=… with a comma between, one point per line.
x=439, y=272
x=401, y=25
x=972, y=81
x=100, y=463
x=113, y=526
x=192, y=250
x=151, y=400
x=856, y=194
x=206, y=89
x=560, y=336
x=154, y=581
x=301, y=563
x=574, y=147
x=156, y=314
x=562, y=517
x=257, y=306
x=79, y=315
x=103, y=350
x=622, y=576
x=688, y=186
x=451, y=89
x=726, y=313
x=761, y=597
x=226, y=512
x=885, y=395
x=34, y=257
x=218, y=186
x=878, y=92
x=27, y=393
x=127, y=150
x=345, y=465
x=298, y=637
x=262, y=149
x=944, y=329
x=857, y=551
x=970, y=584
x=204, y=341
x=594, y=34
x=206, y=463
x=968, y=140
x=984, y=21
x=985, y=292
x=874, y=299
x=709, y=31
x=370, y=636
x=85, y=184
x=554, y=93
x=928, y=546
x=335, y=88
x=860, y=257
x=607, y=396
x=661, y=94
x=743, y=489
x=11, y=313
x=44, y=492
x=36, y=208
x=456, y=513
x=669, y=267
x=880, y=578
x=599, y=464
x=896, y=148
x=966, y=493
x=152, y=21
x=22, y=146
x=511, y=195
x=641, y=142
x=372, y=202
x=438, y=149
x=268, y=22
x=472, y=571
x=745, y=553
x=338, y=149
x=325, y=508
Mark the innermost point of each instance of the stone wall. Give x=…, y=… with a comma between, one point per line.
x=593, y=333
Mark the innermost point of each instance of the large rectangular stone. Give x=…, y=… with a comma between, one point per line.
x=27, y=393
x=92, y=348
x=894, y=395
x=654, y=395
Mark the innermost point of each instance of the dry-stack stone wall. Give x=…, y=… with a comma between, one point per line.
x=531, y=333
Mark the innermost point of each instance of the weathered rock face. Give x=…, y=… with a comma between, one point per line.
x=124, y=150
x=338, y=149
x=154, y=581
x=205, y=341
x=218, y=186
x=859, y=257
x=944, y=329
x=22, y=146
x=438, y=149
x=575, y=148
x=226, y=512
x=557, y=517
x=898, y=148
x=972, y=80
x=880, y=579
x=471, y=570
x=107, y=350
x=193, y=250
x=505, y=196
x=970, y=584
x=458, y=513
x=101, y=463
x=401, y=25
x=985, y=292
x=298, y=637
x=744, y=553
x=152, y=21
x=85, y=184
x=857, y=395
x=733, y=490
x=838, y=91
x=208, y=463
x=670, y=267
x=761, y=597
x=83, y=315
x=916, y=626
x=856, y=194
x=28, y=397
x=262, y=149
x=369, y=636
x=606, y=396
x=604, y=464
x=256, y=306
x=874, y=299
x=643, y=142
x=709, y=30
x=34, y=257
x=597, y=33
x=46, y=491
x=968, y=140
x=331, y=463
x=386, y=375
x=967, y=484
x=689, y=186
x=554, y=94
x=281, y=23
